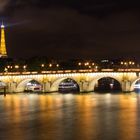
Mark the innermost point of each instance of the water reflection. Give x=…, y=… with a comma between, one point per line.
x=62, y=117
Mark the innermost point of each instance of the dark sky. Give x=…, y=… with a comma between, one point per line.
x=72, y=28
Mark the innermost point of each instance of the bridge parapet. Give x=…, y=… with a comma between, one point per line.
x=70, y=71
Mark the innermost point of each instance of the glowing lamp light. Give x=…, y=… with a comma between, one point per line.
x=16, y=66
x=2, y=26
x=121, y=63
x=50, y=65
x=42, y=65
x=24, y=66
x=79, y=64
x=130, y=62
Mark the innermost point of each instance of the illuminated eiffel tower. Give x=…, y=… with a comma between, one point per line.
x=3, y=52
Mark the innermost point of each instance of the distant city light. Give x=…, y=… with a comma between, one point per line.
x=125, y=63
x=50, y=65
x=130, y=62
x=79, y=64
x=24, y=66
x=42, y=65
x=16, y=66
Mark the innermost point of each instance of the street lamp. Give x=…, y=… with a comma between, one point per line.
x=50, y=65
x=79, y=63
x=42, y=65
x=125, y=63
x=130, y=62
x=24, y=67
x=16, y=66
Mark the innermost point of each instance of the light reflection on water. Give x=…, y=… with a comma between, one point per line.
x=70, y=117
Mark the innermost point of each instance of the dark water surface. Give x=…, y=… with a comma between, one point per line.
x=70, y=117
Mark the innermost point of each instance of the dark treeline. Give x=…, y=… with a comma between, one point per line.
x=43, y=64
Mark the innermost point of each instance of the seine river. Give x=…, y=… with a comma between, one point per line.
x=70, y=117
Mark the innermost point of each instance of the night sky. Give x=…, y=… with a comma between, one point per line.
x=72, y=28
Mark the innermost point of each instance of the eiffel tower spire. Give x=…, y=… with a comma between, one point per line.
x=3, y=52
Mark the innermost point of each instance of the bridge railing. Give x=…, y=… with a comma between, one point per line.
x=69, y=71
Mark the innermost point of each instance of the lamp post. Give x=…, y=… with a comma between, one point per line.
x=24, y=67
x=16, y=67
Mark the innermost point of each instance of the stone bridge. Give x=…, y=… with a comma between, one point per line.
x=50, y=80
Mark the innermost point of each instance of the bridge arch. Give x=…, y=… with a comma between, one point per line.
x=22, y=84
x=55, y=85
x=93, y=82
x=3, y=84
x=133, y=84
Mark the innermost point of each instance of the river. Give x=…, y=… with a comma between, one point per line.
x=70, y=117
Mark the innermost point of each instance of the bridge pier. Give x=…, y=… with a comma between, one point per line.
x=11, y=87
x=84, y=86
x=126, y=86
x=46, y=87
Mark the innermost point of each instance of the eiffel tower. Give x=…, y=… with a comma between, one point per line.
x=3, y=52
